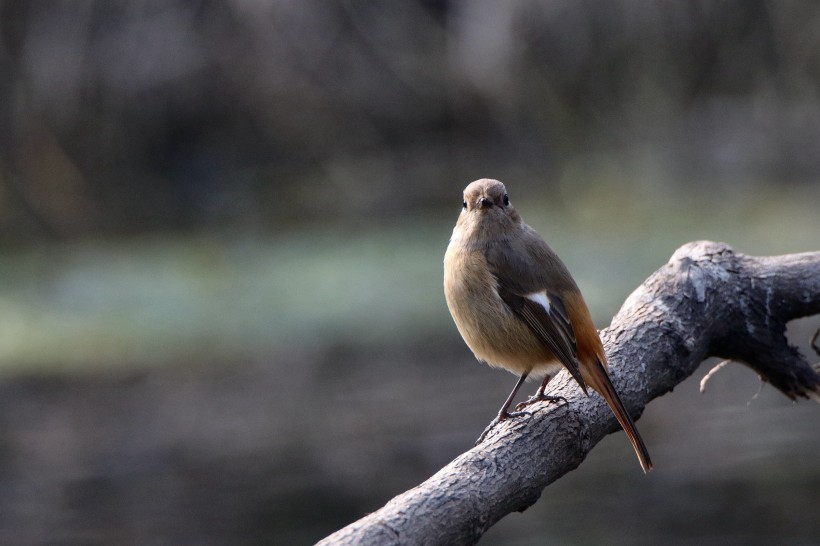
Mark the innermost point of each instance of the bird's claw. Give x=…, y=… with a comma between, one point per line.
x=539, y=398
x=499, y=419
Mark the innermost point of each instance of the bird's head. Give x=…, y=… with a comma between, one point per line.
x=486, y=209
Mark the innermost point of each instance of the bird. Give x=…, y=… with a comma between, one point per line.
x=517, y=306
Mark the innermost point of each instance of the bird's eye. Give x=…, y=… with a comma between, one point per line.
x=506, y=200
x=464, y=204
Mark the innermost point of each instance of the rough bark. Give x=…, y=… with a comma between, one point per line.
x=706, y=301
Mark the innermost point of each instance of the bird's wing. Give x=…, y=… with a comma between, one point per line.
x=520, y=268
x=546, y=315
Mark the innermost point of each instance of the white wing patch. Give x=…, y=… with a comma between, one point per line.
x=541, y=299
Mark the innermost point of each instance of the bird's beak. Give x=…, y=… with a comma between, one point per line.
x=485, y=203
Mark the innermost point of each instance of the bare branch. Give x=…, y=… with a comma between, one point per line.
x=706, y=301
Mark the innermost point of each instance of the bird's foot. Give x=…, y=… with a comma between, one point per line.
x=539, y=397
x=500, y=418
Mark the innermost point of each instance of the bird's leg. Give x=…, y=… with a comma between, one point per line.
x=504, y=413
x=539, y=396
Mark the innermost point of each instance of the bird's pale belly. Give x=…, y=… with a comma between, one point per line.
x=509, y=344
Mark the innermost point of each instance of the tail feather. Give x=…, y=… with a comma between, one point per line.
x=600, y=381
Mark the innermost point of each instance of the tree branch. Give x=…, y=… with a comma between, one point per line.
x=707, y=301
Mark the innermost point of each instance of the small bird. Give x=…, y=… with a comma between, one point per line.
x=517, y=306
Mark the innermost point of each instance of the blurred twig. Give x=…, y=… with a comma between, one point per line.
x=711, y=373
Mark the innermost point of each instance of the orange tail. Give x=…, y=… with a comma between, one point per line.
x=599, y=380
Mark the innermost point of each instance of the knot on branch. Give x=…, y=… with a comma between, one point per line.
x=745, y=309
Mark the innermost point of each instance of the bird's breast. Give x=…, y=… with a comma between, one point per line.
x=489, y=327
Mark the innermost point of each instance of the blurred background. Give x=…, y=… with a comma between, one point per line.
x=221, y=233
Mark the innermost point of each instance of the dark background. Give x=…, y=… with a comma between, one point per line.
x=221, y=234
